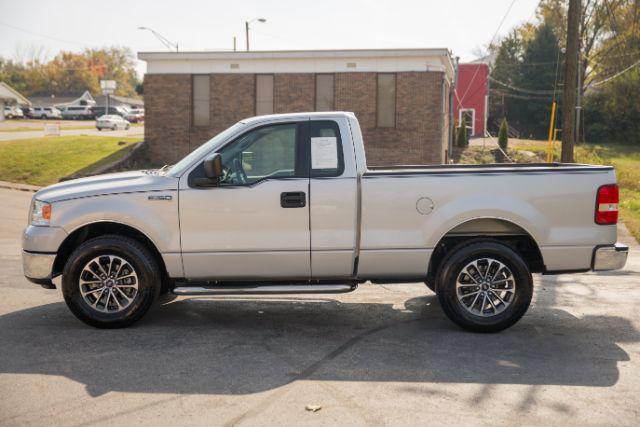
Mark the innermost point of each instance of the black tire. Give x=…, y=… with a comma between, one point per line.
x=431, y=285
x=142, y=262
x=450, y=269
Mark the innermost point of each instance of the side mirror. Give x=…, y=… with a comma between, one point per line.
x=213, y=167
x=212, y=172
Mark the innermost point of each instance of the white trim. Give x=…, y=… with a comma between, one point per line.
x=318, y=61
x=473, y=118
x=7, y=93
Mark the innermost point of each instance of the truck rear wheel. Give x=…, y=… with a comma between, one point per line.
x=484, y=286
x=110, y=281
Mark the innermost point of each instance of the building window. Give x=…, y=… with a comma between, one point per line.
x=201, y=98
x=264, y=94
x=468, y=117
x=324, y=92
x=386, y=108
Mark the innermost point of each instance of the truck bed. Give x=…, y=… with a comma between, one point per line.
x=484, y=168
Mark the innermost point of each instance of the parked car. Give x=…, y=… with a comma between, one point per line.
x=113, y=110
x=77, y=112
x=286, y=204
x=111, y=121
x=135, y=115
x=45, y=113
x=13, y=112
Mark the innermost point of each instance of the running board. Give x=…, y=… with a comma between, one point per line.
x=267, y=289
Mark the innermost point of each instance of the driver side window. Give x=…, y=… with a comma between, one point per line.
x=266, y=152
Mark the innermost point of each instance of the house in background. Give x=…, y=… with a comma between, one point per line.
x=63, y=101
x=400, y=96
x=85, y=100
x=119, y=101
x=471, y=99
x=10, y=97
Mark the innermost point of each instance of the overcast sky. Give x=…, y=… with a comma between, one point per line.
x=460, y=25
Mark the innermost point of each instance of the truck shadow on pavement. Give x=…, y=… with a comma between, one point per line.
x=241, y=346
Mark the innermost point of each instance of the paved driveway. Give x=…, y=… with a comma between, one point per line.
x=383, y=355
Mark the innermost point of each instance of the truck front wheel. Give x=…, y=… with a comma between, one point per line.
x=110, y=281
x=484, y=286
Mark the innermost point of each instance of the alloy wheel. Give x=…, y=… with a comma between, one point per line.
x=485, y=287
x=108, y=283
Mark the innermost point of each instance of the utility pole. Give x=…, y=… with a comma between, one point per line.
x=570, y=81
x=246, y=29
x=578, y=98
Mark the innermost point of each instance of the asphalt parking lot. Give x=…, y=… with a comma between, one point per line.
x=383, y=355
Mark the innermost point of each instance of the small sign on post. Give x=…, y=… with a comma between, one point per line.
x=52, y=129
x=108, y=87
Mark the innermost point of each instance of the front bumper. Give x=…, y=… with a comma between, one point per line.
x=38, y=267
x=610, y=257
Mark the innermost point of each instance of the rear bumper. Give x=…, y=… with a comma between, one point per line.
x=37, y=266
x=610, y=257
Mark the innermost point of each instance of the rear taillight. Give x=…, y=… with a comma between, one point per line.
x=607, y=204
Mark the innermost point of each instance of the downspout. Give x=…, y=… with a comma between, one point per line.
x=452, y=89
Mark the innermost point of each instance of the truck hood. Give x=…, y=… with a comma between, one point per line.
x=114, y=183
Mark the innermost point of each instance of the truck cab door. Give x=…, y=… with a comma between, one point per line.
x=334, y=199
x=255, y=222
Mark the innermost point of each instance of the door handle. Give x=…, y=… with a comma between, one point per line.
x=294, y=199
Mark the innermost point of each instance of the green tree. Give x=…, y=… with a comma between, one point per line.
x=462, y=136
x=538, y=77
x=70, y=73
x=612, y=99
x=503, y=135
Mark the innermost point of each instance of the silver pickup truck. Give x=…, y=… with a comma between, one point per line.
x=286, y=204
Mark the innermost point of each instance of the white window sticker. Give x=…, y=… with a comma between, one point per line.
x=324, y=152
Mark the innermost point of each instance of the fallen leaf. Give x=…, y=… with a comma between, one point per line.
x=313, y=408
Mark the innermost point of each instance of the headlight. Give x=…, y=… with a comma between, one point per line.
x=41, y=213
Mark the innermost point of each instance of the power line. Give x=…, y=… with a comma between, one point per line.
x=519, y=89
x=490, y=43
x=42, y=35
x=618, y=74
x=516, y=96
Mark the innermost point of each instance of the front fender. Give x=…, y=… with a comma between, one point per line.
x=156, y=217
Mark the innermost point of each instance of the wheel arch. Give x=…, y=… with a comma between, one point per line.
x=498, y=229
x=100, y=228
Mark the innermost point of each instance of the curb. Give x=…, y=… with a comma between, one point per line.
x=19, y=187
x=108, y=167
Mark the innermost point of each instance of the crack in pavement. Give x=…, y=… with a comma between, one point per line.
x=308, y=372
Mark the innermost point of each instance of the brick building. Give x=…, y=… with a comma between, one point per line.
x=401, y=97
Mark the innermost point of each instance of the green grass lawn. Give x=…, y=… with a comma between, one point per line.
x=43, y=161
x=625, y=158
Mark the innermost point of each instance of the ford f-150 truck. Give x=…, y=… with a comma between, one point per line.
x=286, y=204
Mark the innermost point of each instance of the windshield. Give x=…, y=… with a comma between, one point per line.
x=208, y=147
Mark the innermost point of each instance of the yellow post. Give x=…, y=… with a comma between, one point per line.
x=551, y=126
